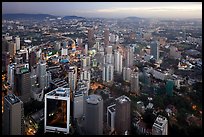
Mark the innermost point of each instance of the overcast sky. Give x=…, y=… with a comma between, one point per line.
x=108, y=9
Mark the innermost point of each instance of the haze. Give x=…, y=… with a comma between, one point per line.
x=108, y=9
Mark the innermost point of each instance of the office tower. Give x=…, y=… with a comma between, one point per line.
x=94, y=115
x=17, y=41
x=13, y=116
x=154, y=49
x=57, y=110
x=72, y=77
x=106, y=37
x=112, y=38
x=111, y=117
x=5, y=61
x=108, y=73
x=91, y=38
x=86, y=75
x=10, y=75
x=22, y=86
x=86, y=48
x=127, y=74
x=42, y=74
x=32, y=59
x=118, y=62
x=135, y=83
x=86, y=62
x=160, y=126
x=12, y=49
x=122, y=117
x=169, y=87
x=130, y=57
x=109, y=50
x=79, y=100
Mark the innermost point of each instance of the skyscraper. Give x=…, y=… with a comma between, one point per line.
x=130, y=57
x=10, y=75
x=17, y=40
x=160, y=126
x=94, y=115
x=154, y=49
x=106, y=37
x=122, y=117
x=91, y=38
x=12, y=49
x=118, y=62
x=127, y=74
x=22, y=86
x=42, y=74
x=86, y=75
x=57, y=110
x=72, y=77
x=111, y=117
x=108, y=73
x=13, y=116
x=135, y=83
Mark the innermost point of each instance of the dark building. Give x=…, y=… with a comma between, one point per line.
x=5, y=61
x=91, y=38
x=94, y=115
x=13, y=116
x=22, y=86
x=106, y=37
x=122, y=115
x=32, y=59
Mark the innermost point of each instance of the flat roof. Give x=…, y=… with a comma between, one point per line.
x=123, y=99
x=12, y=99
x=93, y=99
x=60, y=91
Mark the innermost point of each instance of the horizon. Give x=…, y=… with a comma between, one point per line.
x=172, y=10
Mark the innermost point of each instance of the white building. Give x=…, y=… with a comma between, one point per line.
x=17, y=41
x=86, y=75
x=127, y=74
x=108, y=73
x=64, y=51
x=118, y=62
x=72, y=77
x=111, y=117
x=160, y=126
x=57, y=104
x=10, y=74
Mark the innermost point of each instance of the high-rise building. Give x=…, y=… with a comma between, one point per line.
x=118, y=62
x=22, y=86
x=109, y=50
x=72, y=77
x=86, y=75
x=91, y=38
x=108, y=58
x=111, y=117
x=174, y=53
x=42, y=74
x=135, y=83
x=57, y=111
x=86, y=62
x=127, y=74
x=94, y=115
x=130, y=57
x=13, y=116
x=79, y=101
x=122, y=115
x=5, y=61
x=106, y=37
x=10, y=75
x=108, y=73
x=160, y=126
x=32, y=59
x=17, y=41
x=154, y=49
x=12, y=49
x=86, y=48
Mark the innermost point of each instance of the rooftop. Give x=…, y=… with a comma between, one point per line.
x=63, y=92
x=123, y=99
x=12, y=99
x=93, y=99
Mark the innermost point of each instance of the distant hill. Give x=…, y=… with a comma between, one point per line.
x=133, y=18
x=72, y=17
x=27, y=16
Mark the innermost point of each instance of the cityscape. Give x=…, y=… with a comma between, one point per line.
x=102, y=68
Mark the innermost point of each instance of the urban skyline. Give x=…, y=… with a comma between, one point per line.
x=184, y=10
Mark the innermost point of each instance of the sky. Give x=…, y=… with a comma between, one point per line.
x=108, y=9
